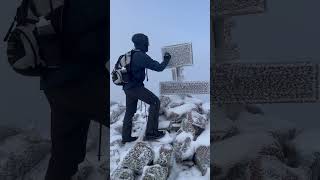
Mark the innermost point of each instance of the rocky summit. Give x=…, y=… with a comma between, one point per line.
x=184, y=151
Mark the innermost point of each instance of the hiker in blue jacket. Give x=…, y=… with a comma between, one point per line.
x=135, y=90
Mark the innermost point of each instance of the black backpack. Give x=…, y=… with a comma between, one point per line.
x=121, y=73
x=33, y=40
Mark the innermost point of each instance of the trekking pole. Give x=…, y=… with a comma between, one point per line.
x=100, y=139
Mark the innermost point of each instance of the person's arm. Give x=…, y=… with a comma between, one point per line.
x=149, y=63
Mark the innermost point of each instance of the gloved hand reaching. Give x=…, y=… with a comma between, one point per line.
x=167, y=56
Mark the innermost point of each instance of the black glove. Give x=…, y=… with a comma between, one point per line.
x=167, y=56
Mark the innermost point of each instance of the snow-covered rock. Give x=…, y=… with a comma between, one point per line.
x=155, y=172
x=182, y=146
x=115, y=111
x=202, y=158
x=122, y=174
x=174, y=152
x=138, y=157
x=165, y=155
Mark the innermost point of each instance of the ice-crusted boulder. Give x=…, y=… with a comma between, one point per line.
x=270, y=168
x=115, y=111
x=186, y=122
x=182, y=146
x=155, y=172
x=165, y=155
x=187, y=126
x=178, y=111
x=197, y=119
x=122, y=174
x=164, y=101
x=202, y=158
x=138, y=157
x=20, y=153
x=194, y=123
x=244, y=148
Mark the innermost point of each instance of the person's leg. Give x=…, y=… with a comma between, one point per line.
x=69, y=128
x=131, y=108
x=148, y=97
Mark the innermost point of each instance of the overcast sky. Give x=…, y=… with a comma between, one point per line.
x=166, y=22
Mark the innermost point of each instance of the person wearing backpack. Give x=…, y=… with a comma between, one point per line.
x=78, y=91
x=135, y=90
x=69, y=54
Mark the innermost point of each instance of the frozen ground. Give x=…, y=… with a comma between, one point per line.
x=24, y=155
x=263, y=147
x=182, y=154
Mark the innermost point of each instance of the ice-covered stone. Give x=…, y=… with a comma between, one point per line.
x=139, y=156
x=175, y=104
x=164, y=101
x=182, y=146
x=115, y=111
x=165, y=155
x=179, y=111
x=155, y=172
x=122, y=174
x=202, y=158
x=197, y=119
x=270, y=168
x=245, y=147
x=22, y=155
x=186, y=126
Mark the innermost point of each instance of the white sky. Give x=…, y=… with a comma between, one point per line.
x=166, y=23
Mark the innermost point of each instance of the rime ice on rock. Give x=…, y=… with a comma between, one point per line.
x=165, y=155
x=182, y=146
x=186, y=126
x=20, y=153
x=115, y=111
x=155, y=172
x=139, y=156
x=202, y=158
x=164, y=101
x=197, y=119
x=122, y=174
x=270, y=168
x=179, y=111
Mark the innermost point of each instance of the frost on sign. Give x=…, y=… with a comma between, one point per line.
x=187, y=87
x=181, y=55
x=265, y=83
x=239, y=7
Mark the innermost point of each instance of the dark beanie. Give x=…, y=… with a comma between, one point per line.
x=140, y=39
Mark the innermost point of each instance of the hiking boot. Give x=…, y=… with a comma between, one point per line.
x=130, y=139
x=154, y=135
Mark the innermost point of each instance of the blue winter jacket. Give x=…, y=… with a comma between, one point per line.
x=140, y=62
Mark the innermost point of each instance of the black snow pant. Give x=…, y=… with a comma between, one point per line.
x=132, y=97
x=72, y=108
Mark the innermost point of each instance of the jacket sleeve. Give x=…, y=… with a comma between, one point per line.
x=149, y=63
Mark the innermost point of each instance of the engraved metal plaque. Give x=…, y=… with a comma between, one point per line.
x=238, y=7
x=265, y=83
x=186, y=87
x=181, y=55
